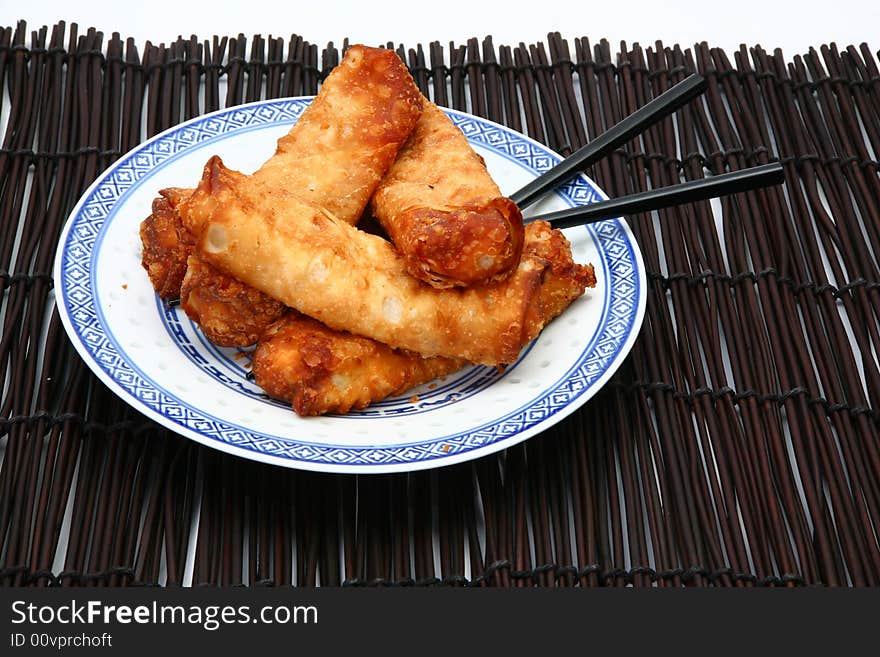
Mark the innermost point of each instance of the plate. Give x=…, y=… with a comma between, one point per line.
x=155, y=359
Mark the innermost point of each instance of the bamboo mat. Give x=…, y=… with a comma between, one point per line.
x=737, y=446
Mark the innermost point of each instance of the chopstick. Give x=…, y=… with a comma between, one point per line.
x=743, y=180
x=617, y=135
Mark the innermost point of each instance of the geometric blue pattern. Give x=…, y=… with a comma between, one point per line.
x=76, y=300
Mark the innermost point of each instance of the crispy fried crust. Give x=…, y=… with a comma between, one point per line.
x=258, y=230
x=230, y=313
x=334, y=155
x=345, y=141
x=466, y=245
x=317, y=370
x=443, y=211
x=350, y=280
x=564, y=280
x=166, y=245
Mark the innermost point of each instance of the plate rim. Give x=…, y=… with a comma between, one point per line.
x=361, y=468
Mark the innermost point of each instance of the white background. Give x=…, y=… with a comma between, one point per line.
x=792, y=26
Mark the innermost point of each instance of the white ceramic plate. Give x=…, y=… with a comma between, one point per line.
x=156, y=360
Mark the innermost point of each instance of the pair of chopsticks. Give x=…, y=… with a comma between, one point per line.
x=663, y=197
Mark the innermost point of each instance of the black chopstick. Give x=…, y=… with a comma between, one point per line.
x=617, y=135
x=743, y=180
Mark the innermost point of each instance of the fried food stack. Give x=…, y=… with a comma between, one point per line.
x=340, y=317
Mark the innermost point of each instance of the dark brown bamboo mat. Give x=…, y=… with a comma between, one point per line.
x=738, y=445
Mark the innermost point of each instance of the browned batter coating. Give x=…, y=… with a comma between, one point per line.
x=166, y=245
x=230, y=313
x=356, y=282
x=319, y=371
x=350, y=280
x=443, y=211
x=565, y=279
x=347, y=138
x=324, y=371
x=260, y=231
x=334, y=155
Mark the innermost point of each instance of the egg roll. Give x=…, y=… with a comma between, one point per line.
x=166, y=244
x=347, y=138
x=229, y=312
x=334, y=155
x=565, y=280
x=443, y=210
x=303, y=256
x=318, y=370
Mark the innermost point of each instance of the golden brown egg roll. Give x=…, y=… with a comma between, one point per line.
x=166, y=245
x=565, y=279
x=352, y=281
x=334, y=155
x=347, y=138
x=443, y=211
x=318, y=370
x=229, y=312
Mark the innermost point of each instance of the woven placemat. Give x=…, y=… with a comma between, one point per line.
x=738, y=445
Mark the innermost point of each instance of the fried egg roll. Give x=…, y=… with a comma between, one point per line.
x=229, y=312
x=334, y=155
x=443, y=211
x=347, y=138
x=565, y=279
x=306, y=258
x=166, y=245
x=318, y=370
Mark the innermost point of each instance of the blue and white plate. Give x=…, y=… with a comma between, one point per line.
x=156, y=360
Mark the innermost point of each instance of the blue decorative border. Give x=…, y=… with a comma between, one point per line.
x=77, y=294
